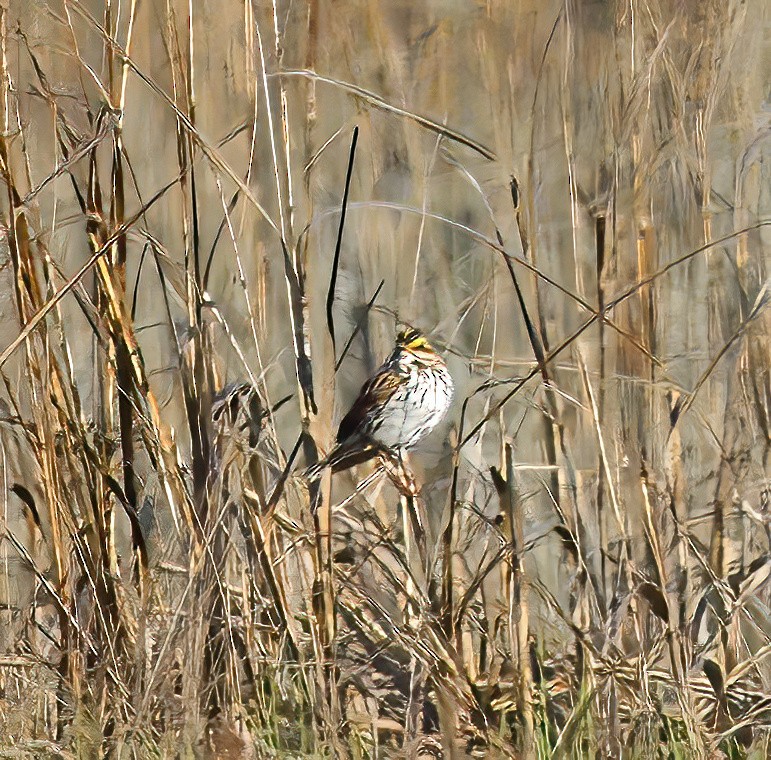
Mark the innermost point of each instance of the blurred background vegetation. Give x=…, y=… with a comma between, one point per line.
x=570, y=198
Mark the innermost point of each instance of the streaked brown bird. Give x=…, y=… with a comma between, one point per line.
x=397, y=407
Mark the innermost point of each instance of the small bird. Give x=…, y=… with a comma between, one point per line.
x=397, y=407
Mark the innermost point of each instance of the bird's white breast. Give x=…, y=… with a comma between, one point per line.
x=415, y=408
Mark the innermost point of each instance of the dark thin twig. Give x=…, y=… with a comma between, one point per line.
x=336, y=259
x=212, y=250
x=532, y=333
x=279, y=488
x=359, y=324
x=135, y=296
x=686, y=400
x=624, y=295
x=223, y=220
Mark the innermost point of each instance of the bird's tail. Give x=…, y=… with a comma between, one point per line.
x=340, y=458
x=315, y=471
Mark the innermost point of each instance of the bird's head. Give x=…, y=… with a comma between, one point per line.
x=413, y=340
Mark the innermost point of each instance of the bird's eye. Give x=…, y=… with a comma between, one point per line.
x=410, y=338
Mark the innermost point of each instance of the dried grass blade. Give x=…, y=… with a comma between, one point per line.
x=382, y=104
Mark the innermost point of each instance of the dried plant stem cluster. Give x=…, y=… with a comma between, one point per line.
x=215, y=215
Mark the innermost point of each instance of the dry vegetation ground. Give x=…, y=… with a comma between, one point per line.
x=572, y=198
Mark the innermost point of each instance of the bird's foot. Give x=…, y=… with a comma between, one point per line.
x=400, y=474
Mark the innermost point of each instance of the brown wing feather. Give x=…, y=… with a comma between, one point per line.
x=373, y=393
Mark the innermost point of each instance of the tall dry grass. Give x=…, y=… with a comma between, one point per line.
x=215, y=215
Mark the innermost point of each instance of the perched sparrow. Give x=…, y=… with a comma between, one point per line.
x=397, y=407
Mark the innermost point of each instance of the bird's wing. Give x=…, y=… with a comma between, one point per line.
x=375, y=392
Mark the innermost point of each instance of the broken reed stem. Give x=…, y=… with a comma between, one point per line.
x=516, y=599
x=412, y=615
